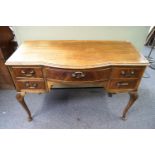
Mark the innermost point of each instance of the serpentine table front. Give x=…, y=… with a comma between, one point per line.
x=37, y=66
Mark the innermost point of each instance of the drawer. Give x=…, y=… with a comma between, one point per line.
x=27, y=72
x=127, y=72
x=30, y=84
x=78, y=75
x=123, y=84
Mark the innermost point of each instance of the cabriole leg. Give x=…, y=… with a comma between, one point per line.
x=133, y=98
x=20, y=98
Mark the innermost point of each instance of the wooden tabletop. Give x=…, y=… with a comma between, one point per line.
x=76, y=54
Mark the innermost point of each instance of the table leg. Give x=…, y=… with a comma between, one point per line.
x=133, y=97
x=20, y=98
x=110, y=94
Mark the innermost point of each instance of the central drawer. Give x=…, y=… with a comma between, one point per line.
x=78, y=75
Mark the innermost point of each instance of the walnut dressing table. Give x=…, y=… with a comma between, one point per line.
x=37, y=66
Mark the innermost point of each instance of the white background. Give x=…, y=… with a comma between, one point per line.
x=75, y=13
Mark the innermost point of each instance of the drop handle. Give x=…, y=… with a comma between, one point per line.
x=132, y=72
x=127, y=74
x=78, y=75
x=27, y=84
x=32, y=86
x=123, y=73
x=122, y=84
x=31, y=72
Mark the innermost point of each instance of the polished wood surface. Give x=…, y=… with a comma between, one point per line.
x=123, y=84
x=77, y=75
x=76, y=54
x=26, y=85
x=27, y=72
x=116, y=66
x=127, y=72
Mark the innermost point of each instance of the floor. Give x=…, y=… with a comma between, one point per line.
x=89, y=108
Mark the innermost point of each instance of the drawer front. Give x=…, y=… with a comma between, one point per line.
x=123, y=84
x=30, y=84
x=77, y=75
x=127, y=72
x=27, y=72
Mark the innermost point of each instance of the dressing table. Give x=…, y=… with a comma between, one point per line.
x=37, y=66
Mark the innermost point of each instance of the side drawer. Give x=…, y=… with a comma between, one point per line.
x=30, y=85
x=28, y=72
x=127, y=72
x=123, y=84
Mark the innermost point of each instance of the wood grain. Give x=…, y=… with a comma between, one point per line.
x=127, y=72
x=27, y=72
x=37, y=66
x=76, y=54
x=74, y=75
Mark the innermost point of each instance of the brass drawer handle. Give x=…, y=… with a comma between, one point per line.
x=132, y=73
x=127, y=74
x=122, y=84
x=31, y=73
x=78, y=75
x=32, y=86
